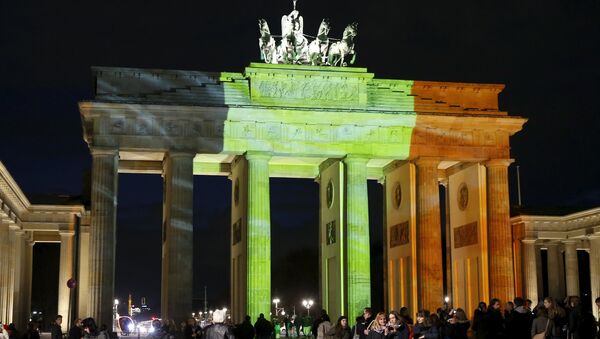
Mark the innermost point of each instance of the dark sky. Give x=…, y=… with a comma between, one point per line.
x=546, y=52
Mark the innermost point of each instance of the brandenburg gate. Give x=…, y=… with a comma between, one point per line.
x=340, y=126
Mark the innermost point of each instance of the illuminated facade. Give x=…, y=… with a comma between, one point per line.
x=22, y=225
x=559, y=245
x=340, y=126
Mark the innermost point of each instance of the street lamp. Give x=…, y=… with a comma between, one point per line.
x=276, y=301
x=307, y=303
x=115, y=315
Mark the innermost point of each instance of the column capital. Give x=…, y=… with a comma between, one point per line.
x=355, y=158
x=529, y=241
x=258, y=155
x=427, y=161
x=99, y=151
x=444, y=182
x=498, y=162
x=179, y=154
x=570, y=241
x=66, y=233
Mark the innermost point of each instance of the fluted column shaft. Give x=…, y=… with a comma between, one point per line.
x=12, y=270
x=357, y=235
x=22, y=285
x=501, y=262
x=103, y=234
x=554, y=275
x=429, y=236
x=530, y=270
x=65, y=272
x=259, y=235
x=4, y=270
x=178, y=251
x=595, y=271
x=571, y=267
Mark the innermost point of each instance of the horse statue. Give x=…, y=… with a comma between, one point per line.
x=266, y=43
x=317, y=49
x=294, y=46
x=339, y=51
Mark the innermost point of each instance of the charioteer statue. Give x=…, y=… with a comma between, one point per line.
x=295, y=48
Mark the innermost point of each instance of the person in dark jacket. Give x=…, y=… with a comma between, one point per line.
x=424, y=328
x=397, y=327
x=218, y=330
x=518, y=323
x=458, y=325
x=341, y=330
x=363, y=322
x=245, y=330
x=76, y=331
x=479, y=319
x=557, y=316
x=55, y=329
x=494, y=321
x=32, y=331
x=541, y=323
x=262, y=327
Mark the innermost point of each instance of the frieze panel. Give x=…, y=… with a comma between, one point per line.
x=319, y=133
x=245, y=130
x=270, y=131
x=118, y=126
x=171, y=127
x=143, y=127
x=399, y=234
x=345, y=133
x=466, y=235
x=295, y=132
x=314, y=89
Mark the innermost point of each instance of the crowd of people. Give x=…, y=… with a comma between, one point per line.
x=517, y=319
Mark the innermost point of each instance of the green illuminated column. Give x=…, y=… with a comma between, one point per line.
x=105, y=163
x=429, y=235
x=259, y=235
x=177, y=269
x=357, y=218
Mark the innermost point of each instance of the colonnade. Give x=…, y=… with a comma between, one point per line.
x=251, y=293
x=558, y=239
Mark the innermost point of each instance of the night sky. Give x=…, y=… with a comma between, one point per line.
x=546, y=52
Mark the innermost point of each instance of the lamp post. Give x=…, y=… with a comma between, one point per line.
x=307, y=303
x=115, y=315
x=276, y=301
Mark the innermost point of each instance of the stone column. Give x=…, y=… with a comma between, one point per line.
x=595, y=271
x=357, y=234
x=22, y=286
x=65, y=272
x=429, y=236
x=554, y=274
x=4, y=269
x=12, y=270
x=178, y=246
x=105, y=163
x=501, y=265
x=258, y=295
x=530, y=270
x=571, y=267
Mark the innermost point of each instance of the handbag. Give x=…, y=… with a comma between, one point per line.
x=355, y=336
x=543, y=334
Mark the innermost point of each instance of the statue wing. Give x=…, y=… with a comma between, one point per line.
x=301, y=21
x=286, y=27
